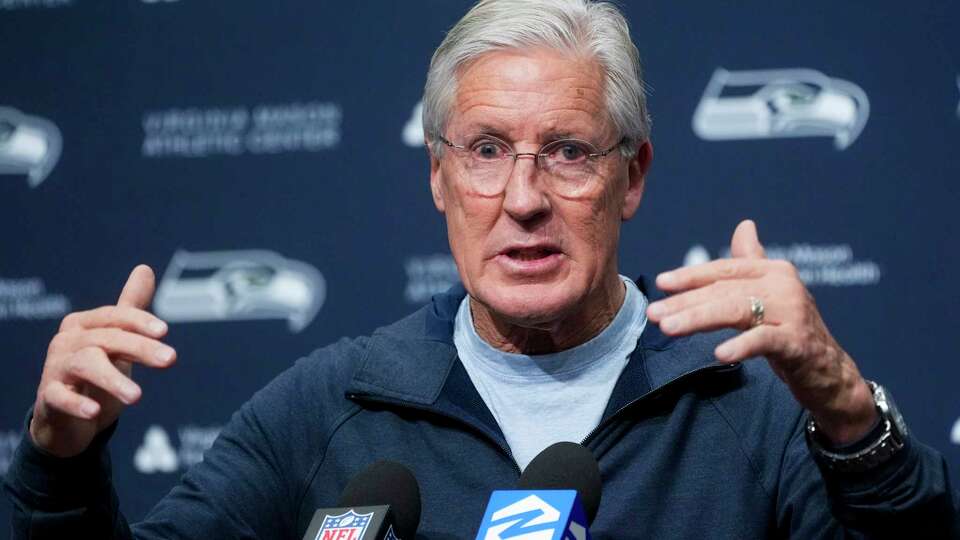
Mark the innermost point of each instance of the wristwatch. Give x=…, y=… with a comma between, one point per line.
x=887, y=439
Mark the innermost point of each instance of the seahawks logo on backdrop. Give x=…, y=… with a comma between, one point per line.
x=780, y=103
x=239, y=285
x=29, y=145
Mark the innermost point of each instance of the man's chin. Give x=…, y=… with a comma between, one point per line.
x=530, y=305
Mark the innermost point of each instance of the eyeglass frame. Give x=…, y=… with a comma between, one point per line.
x=539, y=153
x=510, y=150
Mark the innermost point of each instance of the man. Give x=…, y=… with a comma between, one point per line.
x=539, y=144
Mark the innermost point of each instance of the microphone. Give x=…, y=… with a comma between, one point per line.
x=380, y=503
x=558, y=497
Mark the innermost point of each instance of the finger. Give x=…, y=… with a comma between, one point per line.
x=114, y=341
x=745, y=243
x=57, y=396
x=138, y=291
x=92, y=366
x=670, y=305
x=123, y=317
x=761, y=340
x=728, y=312
x=704, y=274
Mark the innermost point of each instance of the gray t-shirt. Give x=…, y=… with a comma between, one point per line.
x=543, y=399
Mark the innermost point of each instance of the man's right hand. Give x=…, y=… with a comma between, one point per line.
x=86, y=376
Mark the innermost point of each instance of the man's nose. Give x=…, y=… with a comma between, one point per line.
x=525, y=196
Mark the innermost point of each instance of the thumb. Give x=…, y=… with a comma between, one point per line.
x=745, y=244
x=138, y=291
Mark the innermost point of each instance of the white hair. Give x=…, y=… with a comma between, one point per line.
x=581, y=27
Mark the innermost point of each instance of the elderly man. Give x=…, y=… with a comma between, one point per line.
x=535, y=119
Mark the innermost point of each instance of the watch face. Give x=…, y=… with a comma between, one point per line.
x=898, y=419
x=889, y=408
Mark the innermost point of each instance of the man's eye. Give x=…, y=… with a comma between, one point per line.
x=487, y=150
x=571, y=152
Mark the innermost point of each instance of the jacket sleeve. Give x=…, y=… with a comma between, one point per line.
x=64, y=497
x=248, y=485
x=236, y=492
x=907, y=497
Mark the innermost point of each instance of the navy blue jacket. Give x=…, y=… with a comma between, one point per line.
x=687, y=449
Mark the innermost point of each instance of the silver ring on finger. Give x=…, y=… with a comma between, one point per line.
x=756, y=311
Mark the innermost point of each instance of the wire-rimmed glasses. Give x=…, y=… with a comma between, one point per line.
x=571, y=165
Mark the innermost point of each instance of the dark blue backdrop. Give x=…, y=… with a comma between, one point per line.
x=186, y=133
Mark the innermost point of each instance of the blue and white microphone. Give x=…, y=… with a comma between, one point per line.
x=558, y=497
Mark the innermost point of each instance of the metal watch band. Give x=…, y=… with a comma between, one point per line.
x=888, y=444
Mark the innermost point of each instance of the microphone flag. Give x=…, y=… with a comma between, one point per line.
x=534, y=515
x=357, y=523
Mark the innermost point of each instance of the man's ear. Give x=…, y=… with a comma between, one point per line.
x=637, y=176
x=436, y=180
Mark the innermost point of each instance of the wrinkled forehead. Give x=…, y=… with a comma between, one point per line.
x=531, y=94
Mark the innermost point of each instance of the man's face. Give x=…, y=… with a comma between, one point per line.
x=529, y=255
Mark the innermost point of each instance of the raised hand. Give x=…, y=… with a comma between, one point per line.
x=86, y=376
x=779, y=320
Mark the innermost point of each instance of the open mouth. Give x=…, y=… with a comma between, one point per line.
x=531, y=262
x=531, y=254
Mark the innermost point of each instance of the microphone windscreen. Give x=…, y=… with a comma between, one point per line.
x=566, y=465
x=387, y=483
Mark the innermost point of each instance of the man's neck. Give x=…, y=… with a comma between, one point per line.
x=573, y=329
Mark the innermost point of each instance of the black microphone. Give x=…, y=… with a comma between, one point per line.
x=558, y=496
x=566, y=465
x=380, y=503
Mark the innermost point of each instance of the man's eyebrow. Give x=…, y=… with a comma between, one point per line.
x=545, y=137
x=489, y=129
x=557, y=134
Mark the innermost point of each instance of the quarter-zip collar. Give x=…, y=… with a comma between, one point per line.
x=414, y=362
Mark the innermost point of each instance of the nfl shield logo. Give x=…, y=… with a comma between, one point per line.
x=347, y=526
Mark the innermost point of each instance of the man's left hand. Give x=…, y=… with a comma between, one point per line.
x=791, y=333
